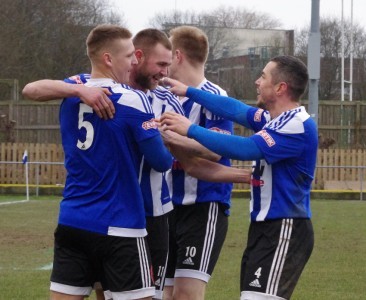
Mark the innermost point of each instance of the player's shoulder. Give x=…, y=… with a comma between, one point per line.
x=213, y=88
x=163, y=93
x=168, y=98
x=291, y=121
x=132, y=98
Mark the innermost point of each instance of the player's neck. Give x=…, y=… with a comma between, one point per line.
x=279, y=108
x=192, y=76
x=97, y=73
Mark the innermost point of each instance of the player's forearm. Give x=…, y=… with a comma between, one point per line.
x=223, y=106
x=201, y=151
x=214, y=172
x=230, y=146
x=187, y=146
x=46, y=89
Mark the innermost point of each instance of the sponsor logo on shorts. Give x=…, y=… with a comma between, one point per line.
x=149, y=124
x=188, y=261
x=265, y=135
x=255, y=283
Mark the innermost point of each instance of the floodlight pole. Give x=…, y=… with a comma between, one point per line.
x=351, y=58
x=350, y=81
x=314, y=60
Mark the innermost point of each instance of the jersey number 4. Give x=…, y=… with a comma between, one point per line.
x=85, y=109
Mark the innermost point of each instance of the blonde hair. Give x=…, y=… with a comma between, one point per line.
x=192, y=41
x=103, y=36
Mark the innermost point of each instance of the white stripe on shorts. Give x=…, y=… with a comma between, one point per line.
x=144, y=263
x=279, y=257
x=209, y=237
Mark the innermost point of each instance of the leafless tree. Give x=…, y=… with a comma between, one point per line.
x=213, y=21
x=331, y=49
x=46, y=39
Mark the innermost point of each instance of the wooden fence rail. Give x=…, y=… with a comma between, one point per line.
x=340, y=123
x=336, y=168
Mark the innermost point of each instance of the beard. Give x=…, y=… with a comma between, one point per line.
x=144, y=82
x=261, y=105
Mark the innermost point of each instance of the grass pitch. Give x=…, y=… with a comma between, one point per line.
x=336, y=270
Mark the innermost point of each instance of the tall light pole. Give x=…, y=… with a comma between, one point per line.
x=314, y=60
x=350, y=81
x=351, y=58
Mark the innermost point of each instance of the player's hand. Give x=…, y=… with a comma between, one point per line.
x=97, y=98
x=175, y=122
x=174, y=86
x=168, y=135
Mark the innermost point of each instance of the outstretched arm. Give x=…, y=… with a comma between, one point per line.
x=188, y=146
x=223, y=106
x=234, y=147
x=214, y=172
x=207, y=170
x=46, y=89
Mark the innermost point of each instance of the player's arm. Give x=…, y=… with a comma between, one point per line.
x=46, y=89
x=207, y=170
x=223, y=106
x=156, y=154
x=214, y=172
x=187, y=146
x=230, y=146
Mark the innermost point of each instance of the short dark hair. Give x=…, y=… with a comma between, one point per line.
x=148, y=38
x=294, y=72
x=102, y=36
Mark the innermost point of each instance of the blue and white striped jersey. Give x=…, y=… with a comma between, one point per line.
x=103, y=158
x=153, y=184
x=187, y=189
x=281, y=182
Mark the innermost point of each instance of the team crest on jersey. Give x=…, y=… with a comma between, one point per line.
x=149, y=125
x=220, y=130
x=258, y=115
x=76, y=79
x=265, y=135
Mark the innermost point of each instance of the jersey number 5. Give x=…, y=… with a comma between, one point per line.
x=85, y=109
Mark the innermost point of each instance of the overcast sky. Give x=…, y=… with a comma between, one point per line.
x=293, y=14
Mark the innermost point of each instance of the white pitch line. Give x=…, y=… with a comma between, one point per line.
x=13, y=202
x=46, y=267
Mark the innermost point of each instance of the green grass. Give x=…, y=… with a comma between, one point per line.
x=336, y=270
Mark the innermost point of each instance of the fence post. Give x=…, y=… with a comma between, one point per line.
x=361, y=185
x=37, y=180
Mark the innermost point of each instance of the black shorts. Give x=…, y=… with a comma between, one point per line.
x=197, y=233
x=158, y=241
x=81, y=258
x=275, y=257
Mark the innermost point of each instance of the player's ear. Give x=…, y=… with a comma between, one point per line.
x=107, y=58
x=139, y=54
x=281, y=88
x=179, y=55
